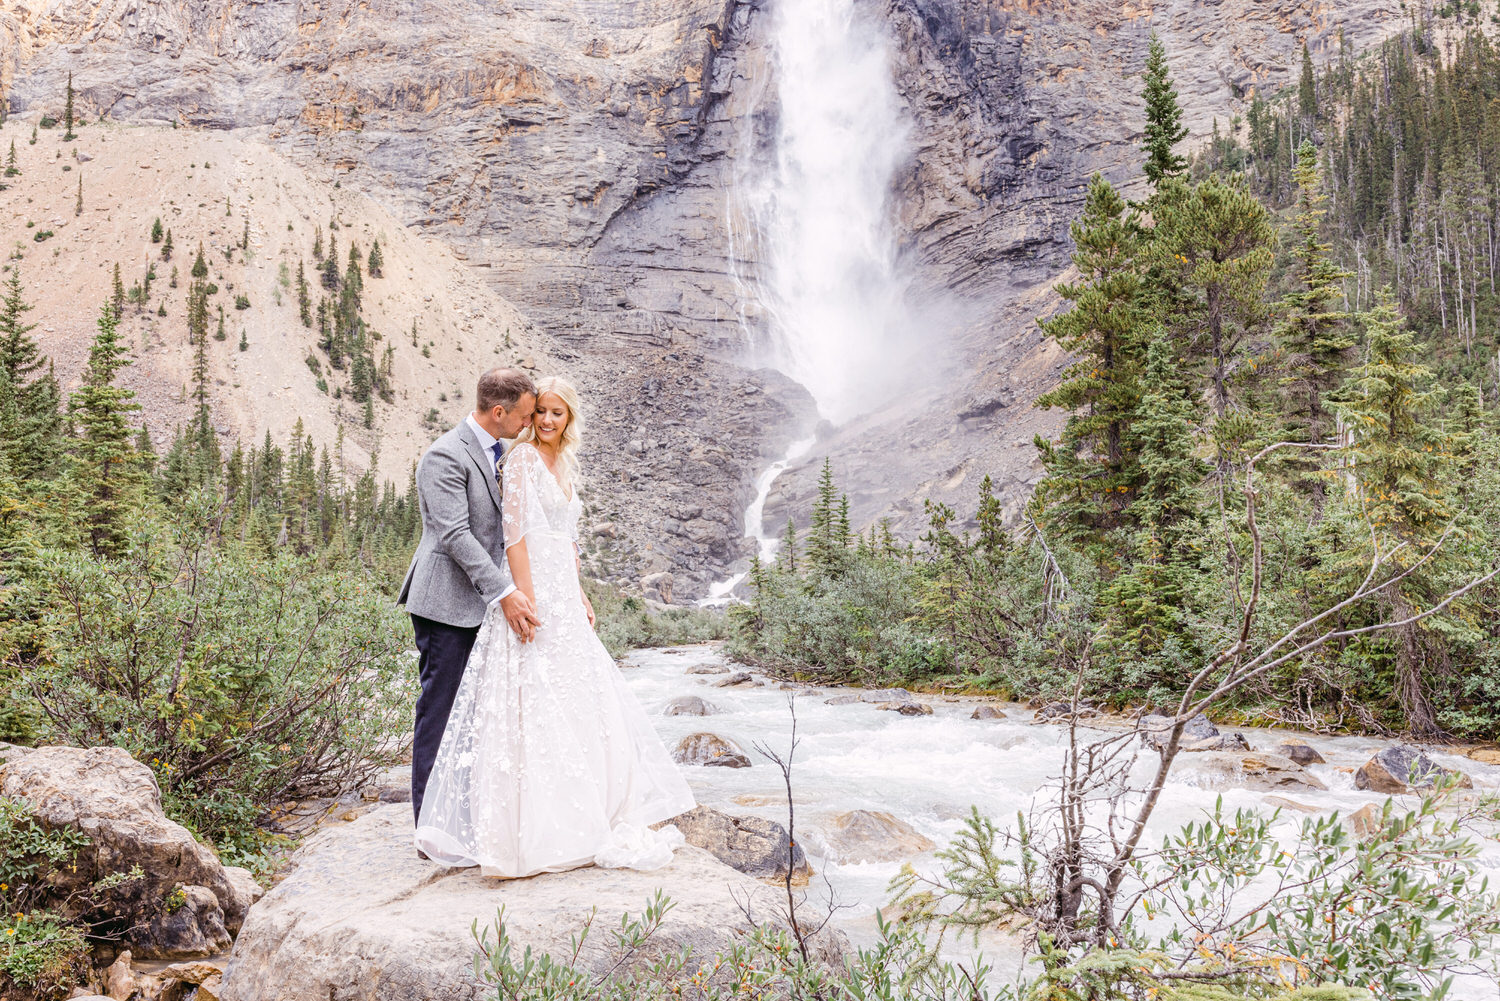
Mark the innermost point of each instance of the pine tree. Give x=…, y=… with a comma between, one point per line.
x=200, y=265
x=786, y=550
x=1091, y=471
x=318, y=242
x=156, y=230
x=117, y=297
x=245, y=238
x=1164, y=128
x=219, y=333
x=1314, y=334
x=78, y=201
x=68, y=135
x=31, y=437
x=166, y=250
x=161, y=309
x=330, y=265
x=375, y=263
x=304, y=304
x=244, y=341
x=11, y=169
x=369, y=414
x=825, y=541
x=105, y=469
x=1307, y=90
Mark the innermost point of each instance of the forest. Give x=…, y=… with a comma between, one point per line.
x=1319, y=281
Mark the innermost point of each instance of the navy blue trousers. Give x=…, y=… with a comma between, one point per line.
x=442, y=655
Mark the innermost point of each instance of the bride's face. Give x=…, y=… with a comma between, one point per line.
x=550, y=419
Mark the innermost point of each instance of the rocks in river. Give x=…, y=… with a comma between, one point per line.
x=873, y=836
x=878, y=695
x=1218, y=742
x=1155, y=729
x=709, y=749
x=1249, y=770
x=847, y=699
x=984, y=711
x=737, y=678
x=1299, y=751
x=1282, y=803
x=1483, y=755
x=359, y=917
x=753, y=845
x=708, y=669
x=1401, y=769
x=689, y=705
x=1062, y=712
x=119, y=978
x=907, y=708
x=1366, y=821
x=114, y=799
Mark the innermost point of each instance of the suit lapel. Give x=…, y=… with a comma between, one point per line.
x=481, y=460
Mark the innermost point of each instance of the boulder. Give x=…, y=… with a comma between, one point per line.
x=391, y=785
x=1154, y=730
x=1483, y=755
x=1282, y=803
x=987, y=712
x=1397, y=770
x=709, y=749
x=10, y=752
x=737, y=678
x=186, y=903
x=842, y=700
x=878, y=695
x=1299, y=751
x=708, y=669
x=1220, y=742
x=1062, y=712
x=192, y=973
x=1365, y=822
x=871, y=836
x=119, y=978
x=908, y=708
x=755, y=846
x=360, y=918
x=689, y=705
x=1250, y=770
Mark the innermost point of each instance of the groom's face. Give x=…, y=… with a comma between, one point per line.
x=518, y=417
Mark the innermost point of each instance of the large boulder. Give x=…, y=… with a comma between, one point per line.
x=872, y=836
x=983, y=711
x=910, y=708
x=1249, y=770
x=361, y=918
x=709, y=749
x=753, y=845
x=1402, y=769
x=1156, y=729
x=1299, y=751
x=689, y=705
x=185, y=902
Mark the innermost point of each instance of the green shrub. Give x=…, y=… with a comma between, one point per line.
x=41, y=235
x=240, y=680
x=242, y=302
x=624, y=622
x=41, y=955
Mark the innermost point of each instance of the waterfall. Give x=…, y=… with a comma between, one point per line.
x=831, y=283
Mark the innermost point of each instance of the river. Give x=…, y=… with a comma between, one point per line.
x=929, y=770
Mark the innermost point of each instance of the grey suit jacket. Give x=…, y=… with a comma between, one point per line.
x=460, y=564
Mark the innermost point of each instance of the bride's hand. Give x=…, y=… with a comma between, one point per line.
x=588, y=608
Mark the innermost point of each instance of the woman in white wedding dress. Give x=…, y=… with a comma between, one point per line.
x=548, y=762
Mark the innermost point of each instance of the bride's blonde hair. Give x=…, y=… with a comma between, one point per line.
x=567, y=452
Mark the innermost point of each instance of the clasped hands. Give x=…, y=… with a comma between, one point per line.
x=520, y=613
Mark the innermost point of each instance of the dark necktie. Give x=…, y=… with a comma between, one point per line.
x=499, y=451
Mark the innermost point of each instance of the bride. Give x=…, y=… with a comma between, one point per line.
x=548, y=762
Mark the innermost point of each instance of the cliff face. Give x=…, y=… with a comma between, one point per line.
x=581, y=157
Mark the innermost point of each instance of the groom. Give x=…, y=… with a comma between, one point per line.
x=460, y=569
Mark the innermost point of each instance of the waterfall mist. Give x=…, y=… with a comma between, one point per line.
x=831, y=283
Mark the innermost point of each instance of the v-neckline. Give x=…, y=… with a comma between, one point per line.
x=567, y=494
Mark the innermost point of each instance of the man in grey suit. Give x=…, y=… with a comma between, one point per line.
x=460, y=569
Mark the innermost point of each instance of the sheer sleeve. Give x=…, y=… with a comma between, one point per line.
x=521, y=504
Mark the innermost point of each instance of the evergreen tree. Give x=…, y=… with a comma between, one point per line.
x=244, y=341
x=11, y=169
x=1091, y=471
x=105, y=468
x=786, y=550
x=330, y=265
x=1164, y=128
x=156, y=230
x=219, y=333
x=166, y=250
x=1307, y=90
x=78, y=201
x=245, y=237
x=304, y=304
x=1314, y=333
x=200, y=265
x=318, y=243
x=828, y=538
x=375, y=263
x=68, y=135
x=33, y=431
x=117, y=296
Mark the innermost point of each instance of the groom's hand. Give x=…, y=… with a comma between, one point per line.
x=521, y=615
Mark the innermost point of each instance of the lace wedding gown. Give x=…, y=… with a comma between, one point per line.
x=547, y=762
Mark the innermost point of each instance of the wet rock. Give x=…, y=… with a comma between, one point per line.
x=1367, y=821
x=392, y=785
x=1219, y=742
x=192, y=973
x=186, y=903
x=1396, y=770
x=1282, y=803
x=119, y=978
x=755, y=846
x=360, y=918
x=1062, y=712
x=842, y=700
x=689, y=705
x=907, y=708
x=1252, y=770
x=737, y=678
x=878, y=695
x=708, y=669
x=873, y=836
x=1155, y=728
x=1299, y=751
x=987, y=712
x=1483, y=755
x=710, y=750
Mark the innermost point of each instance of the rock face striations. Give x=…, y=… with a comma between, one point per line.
x=583, y=158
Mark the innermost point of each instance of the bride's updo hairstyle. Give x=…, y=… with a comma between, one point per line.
x=572, y=435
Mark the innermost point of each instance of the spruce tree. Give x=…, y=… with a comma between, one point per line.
x=68, y=135
x=1164, y=128
x=219, y=333
x=330, y=265
x=304, y=304
x=166, y=250
x=11, y=169
x=78, y=201
x=1307, y=89
x=1314, y=334
x=374, y=264
x=104, y=470
x=156, y=230
x=117, y=296
x=786, y=551
x=1092, y=471
x=200, y=265
x=33, y=434
x=244, y=340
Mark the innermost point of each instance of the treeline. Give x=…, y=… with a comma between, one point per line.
x=1207, y=324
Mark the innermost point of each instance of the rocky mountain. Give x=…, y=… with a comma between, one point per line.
x=582, y=158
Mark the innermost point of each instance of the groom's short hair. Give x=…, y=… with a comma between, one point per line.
x=503, y=387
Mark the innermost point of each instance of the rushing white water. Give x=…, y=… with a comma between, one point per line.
x=831, y=282
x=929, y=770
x=755, y=527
